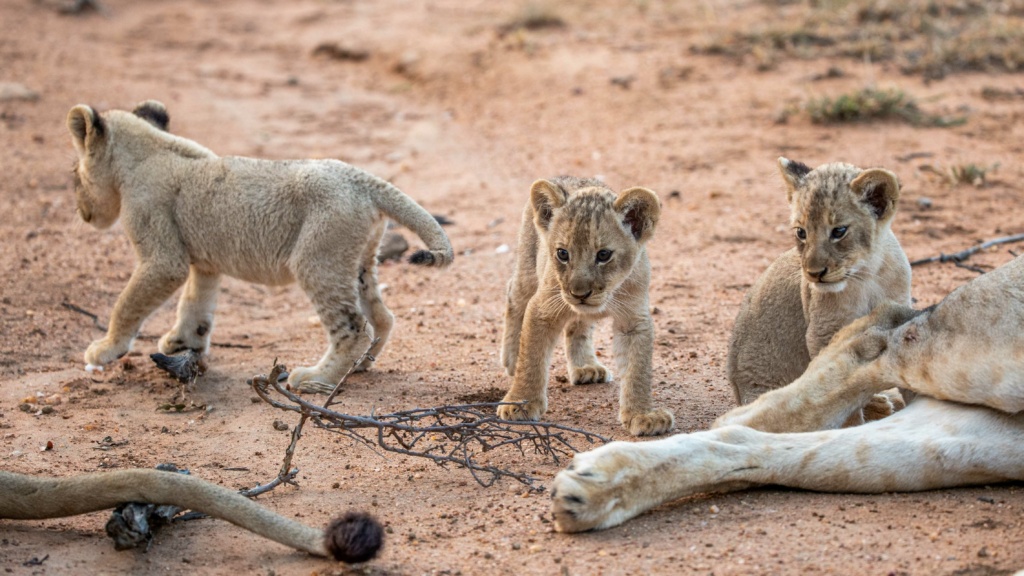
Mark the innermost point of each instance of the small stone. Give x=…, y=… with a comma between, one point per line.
x=924, y=203
x=10, y=91
x=280, y=426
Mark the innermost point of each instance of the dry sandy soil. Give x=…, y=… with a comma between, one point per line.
x=463, y=114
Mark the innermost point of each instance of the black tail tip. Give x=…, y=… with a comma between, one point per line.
x=355, y=537
x=422, y=258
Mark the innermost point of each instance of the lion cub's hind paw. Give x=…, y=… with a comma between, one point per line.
x=310, y=380
x=530, y=411
x=590, y=374
x=175, y=341
x=653, y=423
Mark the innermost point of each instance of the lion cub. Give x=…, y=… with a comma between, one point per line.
x=846, y=262
x=192, y=216
x=581, y=257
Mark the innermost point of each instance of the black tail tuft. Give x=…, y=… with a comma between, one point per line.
x=355, y=537
x=422, y=258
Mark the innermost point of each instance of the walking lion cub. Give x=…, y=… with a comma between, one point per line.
x=192, y=216
x=846, y=262
x=582, y=257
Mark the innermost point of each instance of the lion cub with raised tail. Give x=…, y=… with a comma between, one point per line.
x=192, y=216
x=846, y=262
x=582, y=257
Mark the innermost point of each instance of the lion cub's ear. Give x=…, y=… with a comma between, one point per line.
x=793, y=173
x=546, y=197
x=84, y=124
x=640, y=210
x=154, y=112
x=879, y=189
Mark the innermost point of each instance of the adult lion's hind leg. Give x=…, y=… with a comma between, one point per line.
x=930, y=444
x=611, y=484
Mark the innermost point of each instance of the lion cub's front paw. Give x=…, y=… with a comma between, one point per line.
x=651, y=423
x=531, y=410
x=310, y=380
x=589, y=493
x=878, y=407
x=103, y=352
x=589, y=374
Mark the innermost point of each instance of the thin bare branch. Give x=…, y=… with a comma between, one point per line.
x=959, y=257
x=447, y=435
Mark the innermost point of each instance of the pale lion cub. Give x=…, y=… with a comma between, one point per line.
x=846, y=262
x=192, y=216
x=581, y=257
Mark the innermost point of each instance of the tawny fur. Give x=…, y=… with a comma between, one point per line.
x=30, y=497
x=582, y=257
x=846, y=262
x=192, y=216
x=962, y=358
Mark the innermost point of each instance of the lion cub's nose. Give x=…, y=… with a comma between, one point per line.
x=582, y=298
x=820, y=274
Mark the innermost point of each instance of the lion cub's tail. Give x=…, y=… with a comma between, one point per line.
x=353, y=538
x=404, y=210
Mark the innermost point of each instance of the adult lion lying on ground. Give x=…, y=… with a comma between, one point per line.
x=192, y=216
x=964, y=358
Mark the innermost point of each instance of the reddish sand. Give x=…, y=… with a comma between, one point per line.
x=463, y=118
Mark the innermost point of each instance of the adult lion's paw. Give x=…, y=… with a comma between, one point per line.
x=653, y=423
x=103, y=352
x=589, y=374
x=590, y=493
x=531, y=410
x=310, y=380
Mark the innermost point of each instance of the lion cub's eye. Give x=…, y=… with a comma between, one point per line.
x=801, y=233
x=839, y=232
x=604, y=256
x=562, y=254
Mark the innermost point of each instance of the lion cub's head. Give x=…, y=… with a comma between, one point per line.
x=592, y=237
x=96, y=180
x=837, y=213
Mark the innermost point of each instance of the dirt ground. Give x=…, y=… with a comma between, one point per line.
x=463, y=112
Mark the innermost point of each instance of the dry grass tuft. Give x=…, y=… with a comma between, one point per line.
x=870, y=104
x=931, y=38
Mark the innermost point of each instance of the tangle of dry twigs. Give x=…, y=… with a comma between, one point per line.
x=447, y=435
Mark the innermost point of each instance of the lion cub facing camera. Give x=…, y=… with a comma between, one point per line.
x=582, y=257
x=192, y=216
x=846, y=262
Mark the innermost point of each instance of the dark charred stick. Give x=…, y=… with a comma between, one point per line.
x=962, y=255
